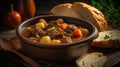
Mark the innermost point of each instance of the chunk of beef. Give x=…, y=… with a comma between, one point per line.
x=70, y=28
x=66, y=40
x=37, y=31
x=55, y=33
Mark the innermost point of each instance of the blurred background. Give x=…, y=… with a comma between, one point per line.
x=110, y=8
x=41, y=5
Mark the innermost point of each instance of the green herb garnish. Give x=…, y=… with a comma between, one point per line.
x=106, y=36
x=67, y=34
x=55, y=25
x=111, y=10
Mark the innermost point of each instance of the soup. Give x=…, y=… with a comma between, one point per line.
x=54, y=32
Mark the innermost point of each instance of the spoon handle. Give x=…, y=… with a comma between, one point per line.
x=27, y=59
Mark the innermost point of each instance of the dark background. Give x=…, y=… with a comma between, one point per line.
x=46, y=5
x=42, y=6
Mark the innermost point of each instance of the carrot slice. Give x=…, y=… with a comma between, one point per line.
x=77, y=33
x=63, y=26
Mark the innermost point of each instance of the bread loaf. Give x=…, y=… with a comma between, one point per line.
x=107, y=39
x=83, y=11
x=95, y=59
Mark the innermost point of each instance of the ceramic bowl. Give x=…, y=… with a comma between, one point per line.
x=57, y=53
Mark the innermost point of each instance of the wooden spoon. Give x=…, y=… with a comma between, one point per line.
x=7, y=45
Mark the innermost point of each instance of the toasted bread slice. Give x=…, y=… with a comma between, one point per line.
x=95, y=59
x=107, y=39
x=83, y=11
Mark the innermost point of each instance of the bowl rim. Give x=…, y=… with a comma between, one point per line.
x=93, y=35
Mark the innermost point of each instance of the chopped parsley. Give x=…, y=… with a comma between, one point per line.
x=106, y=36
x=55, y=25
x=67, y=34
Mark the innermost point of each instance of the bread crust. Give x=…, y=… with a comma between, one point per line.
x=93, y=15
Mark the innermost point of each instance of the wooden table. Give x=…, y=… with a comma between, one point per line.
x=113, y=55
x=42, y=9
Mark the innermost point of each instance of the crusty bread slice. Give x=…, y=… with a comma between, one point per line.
x=95, y=59
x=64, y=10
x=83, y=11
x=107, y=39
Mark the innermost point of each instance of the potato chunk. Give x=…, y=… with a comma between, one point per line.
x=45, y=40
x=55, y=41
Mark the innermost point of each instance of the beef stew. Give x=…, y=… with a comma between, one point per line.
x=54, y=32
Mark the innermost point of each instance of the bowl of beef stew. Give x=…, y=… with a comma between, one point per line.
x=56, y=38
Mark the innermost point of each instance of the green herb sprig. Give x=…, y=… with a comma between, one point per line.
x=108, y=7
